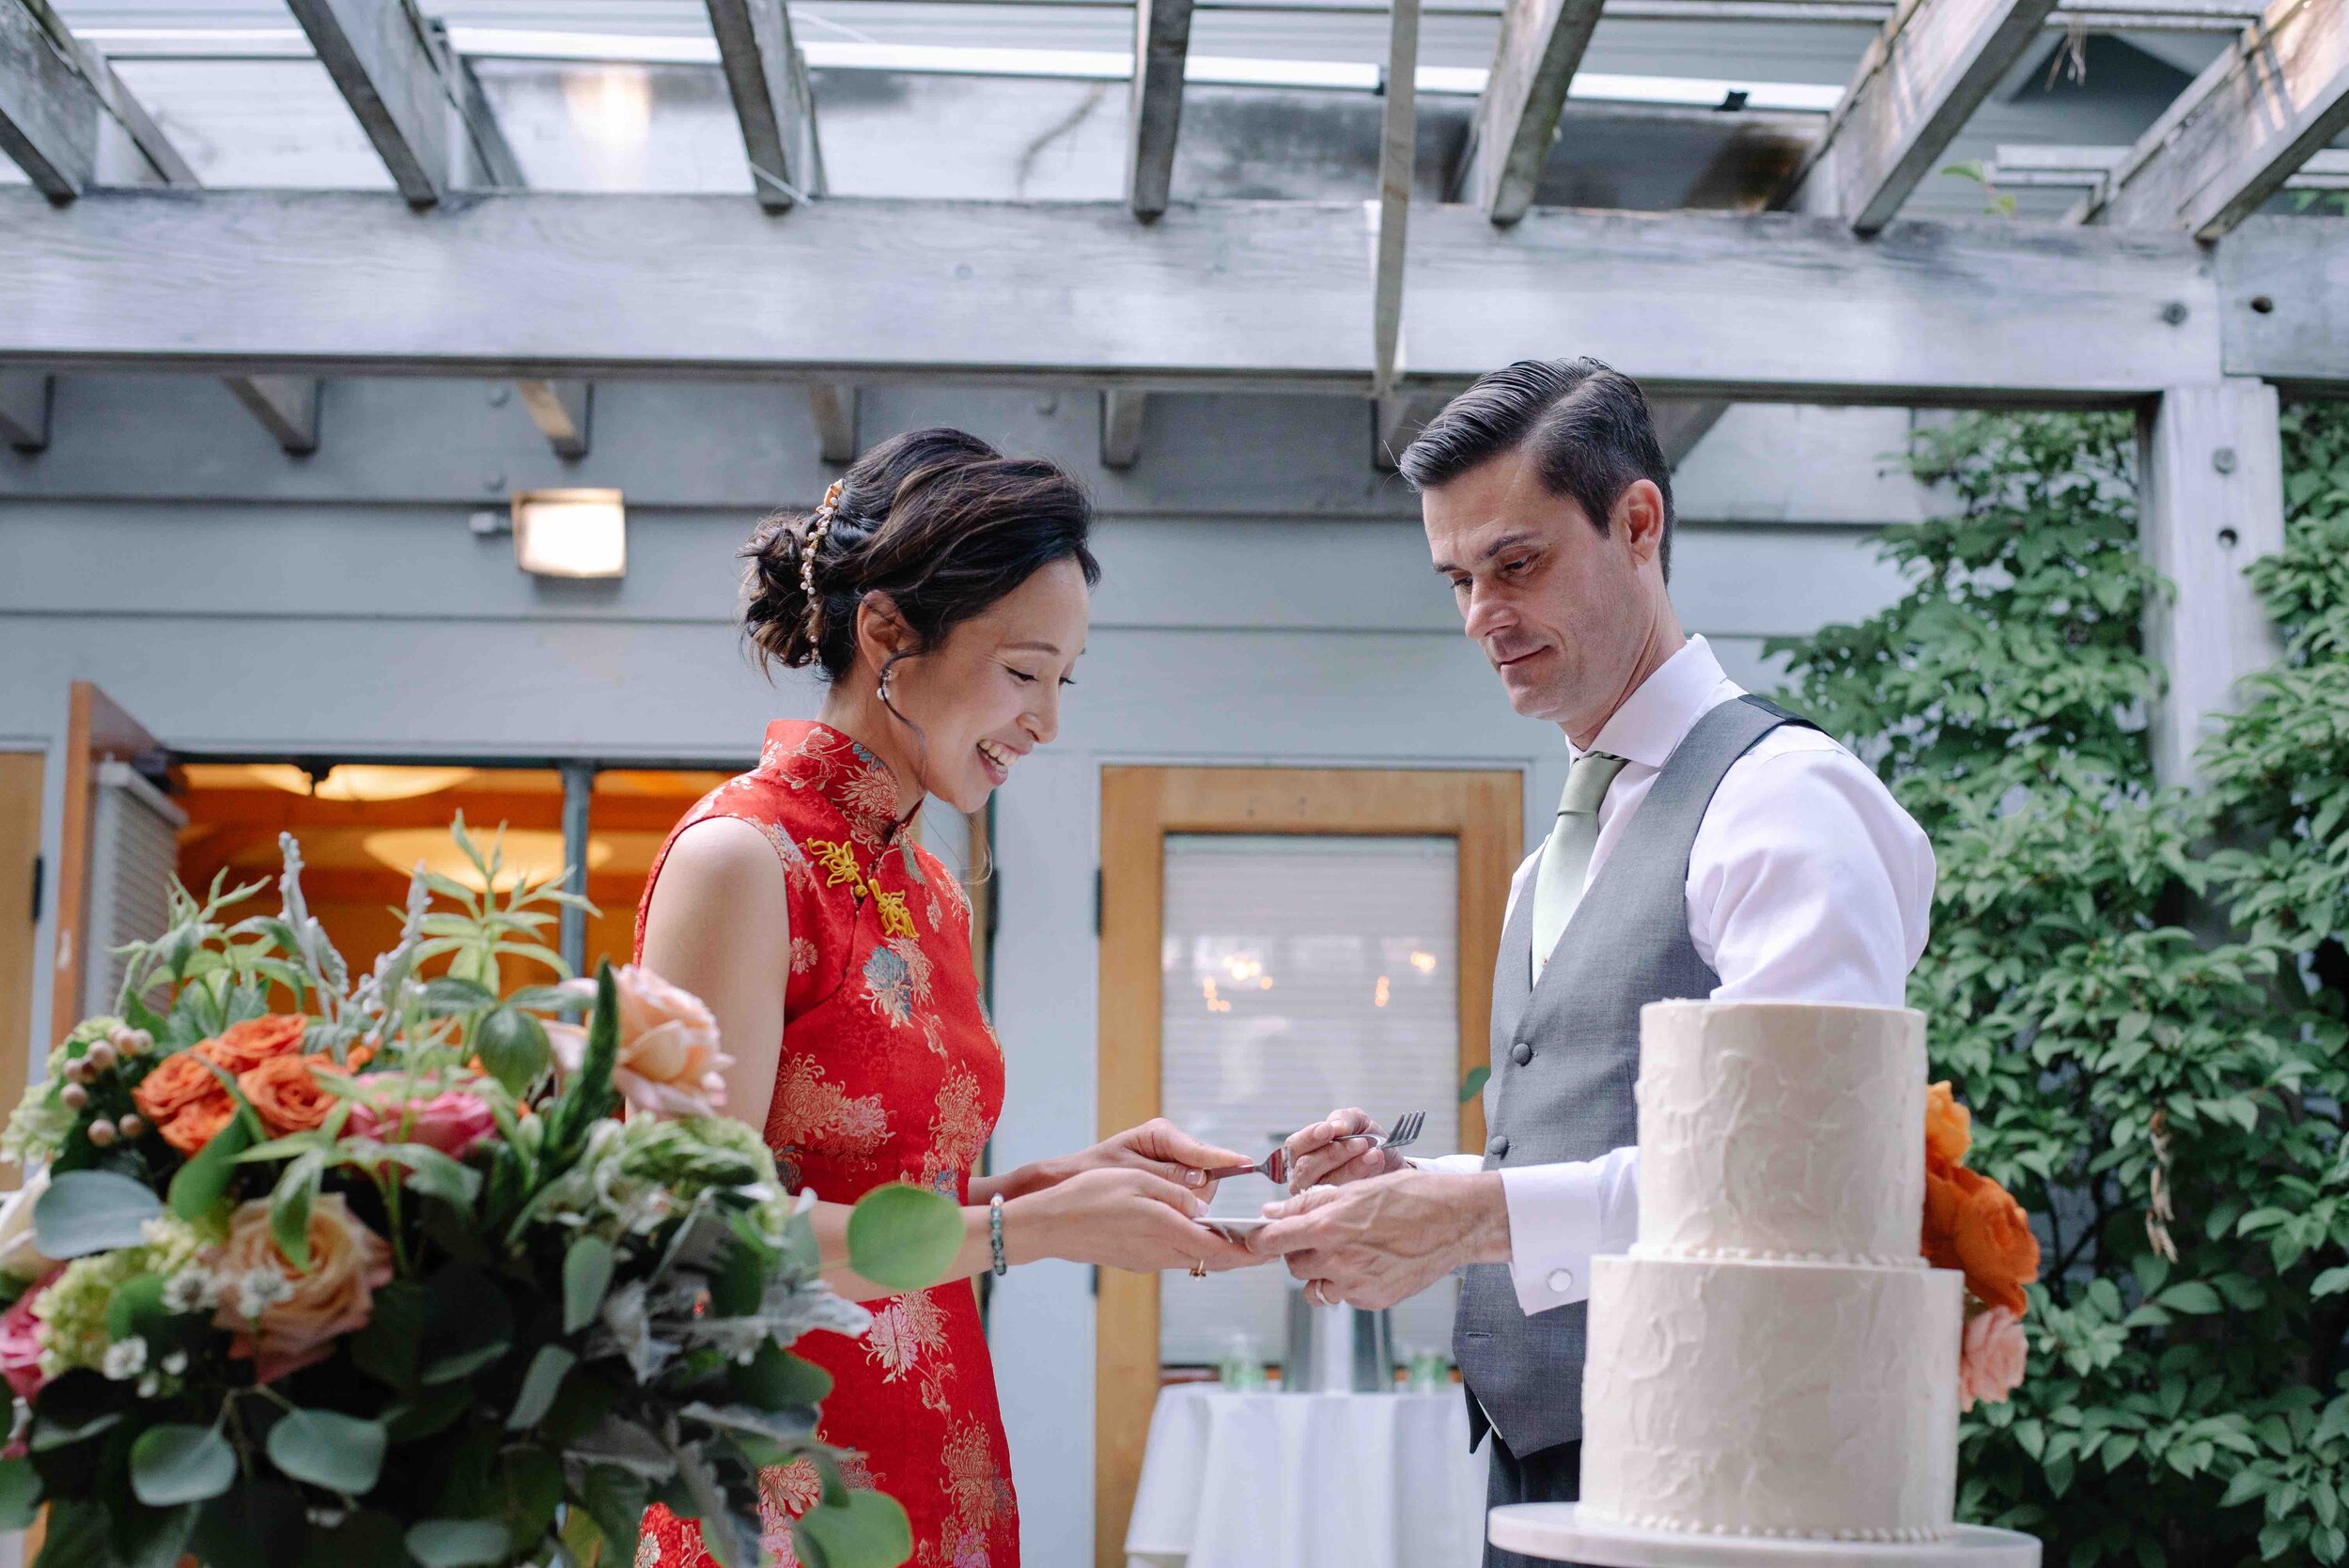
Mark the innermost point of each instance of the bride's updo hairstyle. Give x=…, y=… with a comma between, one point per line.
x=938, y=519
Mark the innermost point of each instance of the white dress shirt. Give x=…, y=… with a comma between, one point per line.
x=1807, y=882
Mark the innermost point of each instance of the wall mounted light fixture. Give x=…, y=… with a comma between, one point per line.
x=571, y=533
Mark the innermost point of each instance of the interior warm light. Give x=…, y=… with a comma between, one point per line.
x=360, y=781
x=1423, y=962
x=573, y=533
x=1379, y=993
x=533, y=854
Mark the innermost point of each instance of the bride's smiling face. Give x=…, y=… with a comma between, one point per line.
x=989, y=692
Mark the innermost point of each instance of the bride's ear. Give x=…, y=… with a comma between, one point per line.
x=882, y=631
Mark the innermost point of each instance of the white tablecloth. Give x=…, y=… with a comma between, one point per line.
x=1308, y=1480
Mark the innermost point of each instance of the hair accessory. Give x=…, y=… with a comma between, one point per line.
x=818, y=526
x=995, y=1233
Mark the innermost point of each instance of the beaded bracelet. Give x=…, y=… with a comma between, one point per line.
x=995, y=1233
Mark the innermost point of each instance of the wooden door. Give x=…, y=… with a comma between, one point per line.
x=97, y=730
x=1140, y=806
x=21, y=898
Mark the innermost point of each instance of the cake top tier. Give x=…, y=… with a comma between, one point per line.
x=1778, y=1129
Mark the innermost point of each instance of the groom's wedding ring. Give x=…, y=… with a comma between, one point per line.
x=1199, y=1269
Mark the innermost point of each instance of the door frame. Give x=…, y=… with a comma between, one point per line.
x=1482, y=810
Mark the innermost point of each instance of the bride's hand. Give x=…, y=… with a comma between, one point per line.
x=1160, y=1148
x=1121, y=1219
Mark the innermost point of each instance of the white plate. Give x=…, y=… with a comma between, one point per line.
x=1235, y=1228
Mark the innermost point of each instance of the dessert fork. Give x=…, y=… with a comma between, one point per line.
x=1275, y=1166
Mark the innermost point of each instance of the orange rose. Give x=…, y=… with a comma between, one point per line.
x=242, y=1047
x=195, y=1127
x=1993, y=1244
x=1949, y=1126
x=348, y=1264
x=175, y=1083
x=1946, y=1186
x=284, y=1090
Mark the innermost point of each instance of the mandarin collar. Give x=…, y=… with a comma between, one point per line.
x=804, y=754
x=1662, y=709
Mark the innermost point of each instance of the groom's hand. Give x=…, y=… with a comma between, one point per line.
x=1316, y=1158
x=1374, y=1244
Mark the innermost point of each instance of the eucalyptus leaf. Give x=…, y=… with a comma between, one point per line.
x=540, y=1384
x=869, y=1530
x=290, y=1205
x=92, y=1211
x=20, y=1494
x=174, y=1463
x=513, y=1046
x=904, y=1236
x=326, y=1448
x=457, y=1543
x=586, y=1278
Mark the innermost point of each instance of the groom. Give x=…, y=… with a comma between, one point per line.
x=1708, y=844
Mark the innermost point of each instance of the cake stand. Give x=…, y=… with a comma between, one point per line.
x=1557, y=1530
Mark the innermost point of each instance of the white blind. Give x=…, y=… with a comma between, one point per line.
x=134, y=852
x=1302, y=973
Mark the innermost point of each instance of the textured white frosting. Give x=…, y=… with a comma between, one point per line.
x=1781, y=1130
x=1801, y=1401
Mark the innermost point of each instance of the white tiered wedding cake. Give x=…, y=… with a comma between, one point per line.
x=1773, y=1371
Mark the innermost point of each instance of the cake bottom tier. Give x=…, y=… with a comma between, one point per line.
x=1791, y=1400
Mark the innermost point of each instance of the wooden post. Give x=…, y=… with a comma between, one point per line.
x=2213, y=464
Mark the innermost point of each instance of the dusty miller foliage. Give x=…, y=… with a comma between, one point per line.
x=2141, y=993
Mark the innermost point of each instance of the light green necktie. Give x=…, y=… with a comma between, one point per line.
x=1557, y=881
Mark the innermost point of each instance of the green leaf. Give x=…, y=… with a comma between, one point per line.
x=469, y=1324
x=173, y=1464
x=368, y=1538
x=527, y=1488
x=76, y=1537
x=92, y=1211
x=326, y=1448
x=617, y=1500
x=2191, y=1296
x=446, y=998
x=434, y=1175
x=903, y=1236
x=387, y=1347
x=513, y=1045
x=540, y=1384
x=587, y=1277
x=457, y=1543
x=774, y=1380
x=430, y=1411
x=290, y=1208
x=202, y=1185
x=1474, y=1084
x=2331, y=1282
x=137, y=1308
x=259, y=1523
x=869, y=1531
x=20, y=1494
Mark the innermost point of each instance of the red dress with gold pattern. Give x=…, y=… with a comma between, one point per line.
x=890, y=1073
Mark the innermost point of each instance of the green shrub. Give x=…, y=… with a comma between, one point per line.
x=2167, y=1105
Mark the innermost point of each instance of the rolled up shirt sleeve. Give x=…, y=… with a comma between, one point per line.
x=1564, y=1214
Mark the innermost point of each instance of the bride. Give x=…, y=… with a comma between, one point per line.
x=941, y=591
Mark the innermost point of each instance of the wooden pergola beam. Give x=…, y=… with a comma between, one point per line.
x=1921, y=79
x=1541, y=46
x=1155, y=115
x=1121, y=428
x=390, y=68
x=1398, y=147
x=561, y=409
x=48, y=110
x=2272, y=98
x=1263, y=296
x=768, y=78
x=26, y=399
x=834, y=409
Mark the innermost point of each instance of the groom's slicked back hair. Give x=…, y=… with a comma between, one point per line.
x=1586, y=426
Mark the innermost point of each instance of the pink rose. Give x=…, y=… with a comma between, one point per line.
x=451, y=1120
x=20, y=1339
x=349, y=1263
x=1990, y=1364
x=669, y=1060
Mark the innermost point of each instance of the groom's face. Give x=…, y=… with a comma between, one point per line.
x=1554, y=603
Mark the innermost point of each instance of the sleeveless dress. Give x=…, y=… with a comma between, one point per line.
x=890, y=1073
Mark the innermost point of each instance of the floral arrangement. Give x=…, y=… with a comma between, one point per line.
x=1973, y=1225
x=309, y=1270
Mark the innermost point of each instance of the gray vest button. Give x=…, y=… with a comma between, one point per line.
x=1498, y=1147
x=1521, y=1054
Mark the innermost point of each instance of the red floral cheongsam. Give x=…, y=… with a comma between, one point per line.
x=890, y=1073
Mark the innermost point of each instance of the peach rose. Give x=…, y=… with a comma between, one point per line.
x=175, y=1083
x=284, y=1092
x=669, y=1060
x=451, y=1120
x=242, y=1047
x=199, y=1124
x=1990, y=1363
x=348, y=1264
x=1949, y=1126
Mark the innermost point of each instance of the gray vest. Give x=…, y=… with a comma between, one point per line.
x=1565, y=1055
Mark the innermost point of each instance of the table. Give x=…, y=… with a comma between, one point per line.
x=1235, y=1479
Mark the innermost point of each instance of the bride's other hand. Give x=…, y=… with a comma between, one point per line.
x=1163, y=1150
x=1316, y=1158
x=1121, y=1219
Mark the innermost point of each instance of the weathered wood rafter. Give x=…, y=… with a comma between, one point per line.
x=1517, y=119
x=1155, y=116
x=1270, y=296
x=768, y=78
x=2269, y=102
